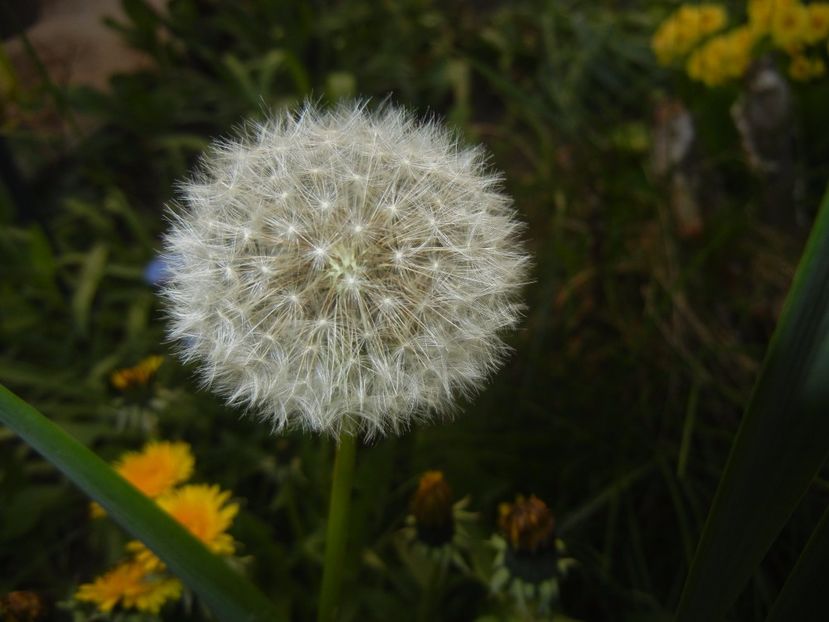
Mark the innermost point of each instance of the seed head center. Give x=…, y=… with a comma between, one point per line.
x=344, y=271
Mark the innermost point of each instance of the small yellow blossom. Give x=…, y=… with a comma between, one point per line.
x=761, y=13
x=204, y=511
x=138, y=376
x=789, y=27
x=802, y=68
x=817, y=22
x=158, y=467
x=723, y=58
x=686, y=27
x=132, y=586
x=155, y=469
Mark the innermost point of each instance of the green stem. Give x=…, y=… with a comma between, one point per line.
x=430, y=594
x=337, y=532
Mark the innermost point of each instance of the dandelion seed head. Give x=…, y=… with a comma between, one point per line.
x=343, y=270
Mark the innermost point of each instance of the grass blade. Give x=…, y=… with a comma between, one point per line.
x=229, y=596
x=804, y=594
x=782, y=441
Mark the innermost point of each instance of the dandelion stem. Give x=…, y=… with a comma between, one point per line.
x=336, y=534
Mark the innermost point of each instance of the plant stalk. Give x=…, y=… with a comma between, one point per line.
x=337, y=532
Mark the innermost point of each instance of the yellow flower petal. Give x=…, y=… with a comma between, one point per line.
x=685, y=28
x=817, y=22
x=204, y=511
x=789, y=26
x=156, y=592
x=802, y=68
x=723, y=58
x=138, y=376
x=154, y=470
x=761, y=13
x=129, y=585
x=158, y=467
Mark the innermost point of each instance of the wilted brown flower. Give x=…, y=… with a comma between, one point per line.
x=527, y=524
x=431, y=506
x=22, y=606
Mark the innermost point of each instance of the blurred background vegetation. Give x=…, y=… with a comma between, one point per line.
x=664, y=244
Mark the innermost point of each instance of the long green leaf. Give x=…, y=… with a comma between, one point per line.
x=781, y=444
x=228, y=595
x=803, y=596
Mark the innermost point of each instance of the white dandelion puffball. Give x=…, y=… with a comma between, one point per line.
x=343, y=271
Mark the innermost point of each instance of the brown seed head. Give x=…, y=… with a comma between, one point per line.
x=527, y=524
x=431, y=504
x=22, y=606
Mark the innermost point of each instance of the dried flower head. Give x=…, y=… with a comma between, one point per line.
x=344, y=271
x=527, y=524
x=431, y=507
x=22, y=606
x=530, y=559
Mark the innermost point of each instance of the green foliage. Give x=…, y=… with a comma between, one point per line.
x=775, y=455
x=226, y=593
x=637, y=356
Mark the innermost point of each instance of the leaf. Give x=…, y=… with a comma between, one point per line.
x=782, y=441
x=229, y=596
x=116, y=203
x=42, y=260
x=91, y=273
x=803, y=594
x=604, y=497
x=242, y=76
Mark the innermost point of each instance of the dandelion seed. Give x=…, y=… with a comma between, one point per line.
x=350, y=226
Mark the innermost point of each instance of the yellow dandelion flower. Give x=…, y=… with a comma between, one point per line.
x=723, y=58
x=789, y=27
x=711, y=18
x=154, y=470
x=761, y=12
x=686, y=27
x=802, y=68
x=158, y=467
x=204, y=511
x=138, y=376
x=156, y=591
x=817, y=22
x=132, y=586
x=665, y=43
